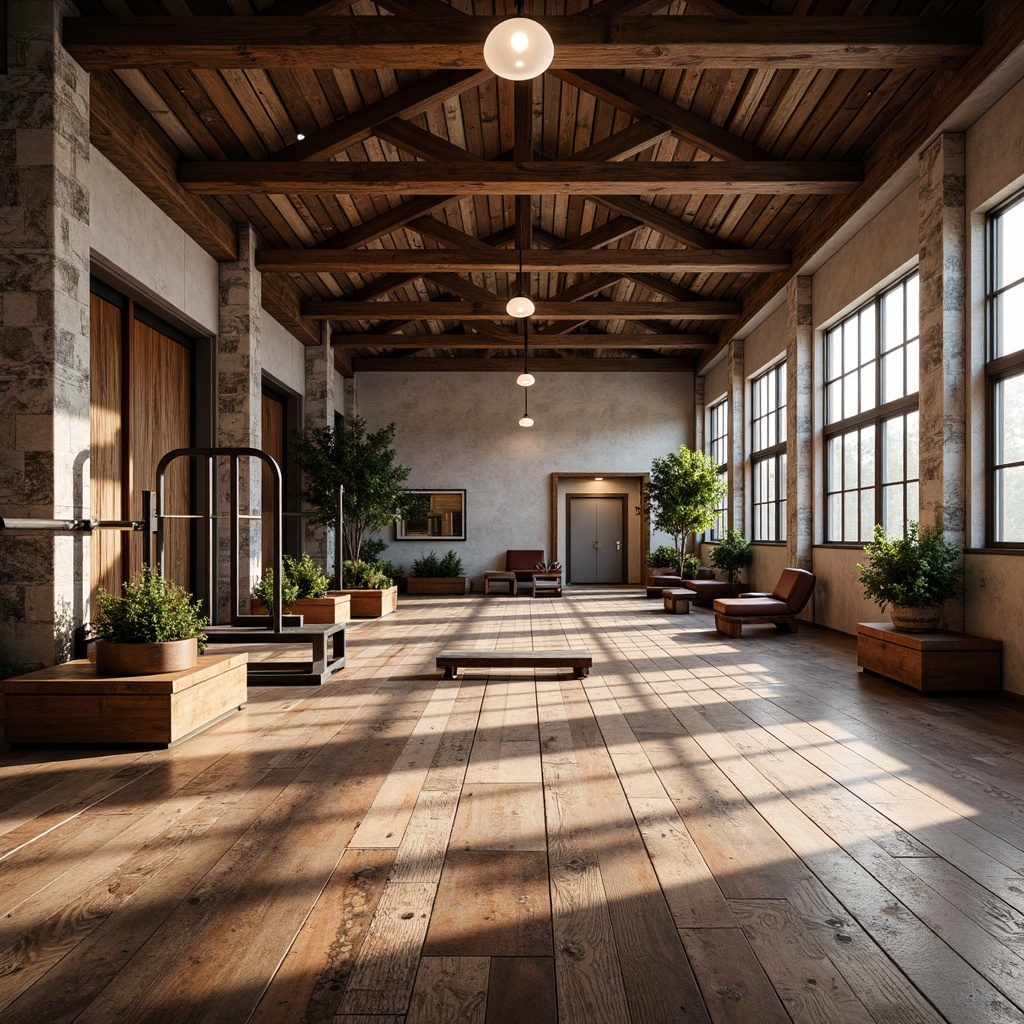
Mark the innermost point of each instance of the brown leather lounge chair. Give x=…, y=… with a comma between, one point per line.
x=780, y=607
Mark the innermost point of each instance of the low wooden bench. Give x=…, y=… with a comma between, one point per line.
x=451, y=661
x=549, y=583
x=507, y=579
x=678, y=601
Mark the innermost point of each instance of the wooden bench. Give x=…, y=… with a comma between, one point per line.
x=678, y=601
x=451, y=661
x=508, y=579
x=325, y=640
x=549, y=583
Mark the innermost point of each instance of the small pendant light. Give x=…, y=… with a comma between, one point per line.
x=518, y=48
x=520, y=305
x=526, y=420
x=525, y=379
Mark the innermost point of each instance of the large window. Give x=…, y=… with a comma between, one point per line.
x=1005, y=372
x=871, y=416
x=768, y=453
x=718, y=449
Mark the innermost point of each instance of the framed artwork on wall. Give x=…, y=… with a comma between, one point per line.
x=445, y=519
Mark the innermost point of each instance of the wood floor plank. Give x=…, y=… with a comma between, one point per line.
x=450, y=990
x=495, y=903
x=521, y=990
x=500, y=817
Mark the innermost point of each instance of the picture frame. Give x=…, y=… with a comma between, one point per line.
x=446, y=520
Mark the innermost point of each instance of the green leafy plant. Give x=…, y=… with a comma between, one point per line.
x=732, y=555
x=365, y=576
x=150, y=610
x=364, y=464
x=919, y=569
x=451, y=566
x=264, y=590
x=691, y=566
x=663, y=557
x=428, y=565
x=372, y=549
x=311, y=580
x=682, y=495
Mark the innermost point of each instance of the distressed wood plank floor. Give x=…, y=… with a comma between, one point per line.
x=703, y=830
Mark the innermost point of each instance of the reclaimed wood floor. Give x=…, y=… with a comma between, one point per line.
x=743, y=832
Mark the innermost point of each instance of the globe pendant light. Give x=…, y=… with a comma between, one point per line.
x=525, y=379
x=526, y=420
x=518, y=48
x=520, y=305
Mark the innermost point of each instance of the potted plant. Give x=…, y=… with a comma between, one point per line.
x=363, y=465
x=372, y=592
x=682, y=496
x=154, y=626
x=691, y=567
x=916, y=574
x=433, y=575
x=732, y=555
x=662, y=561
x=304, y=587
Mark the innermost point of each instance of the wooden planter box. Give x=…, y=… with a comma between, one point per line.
x=315, y=611
x=370, y=604
x=438, y=585
x=71, y=703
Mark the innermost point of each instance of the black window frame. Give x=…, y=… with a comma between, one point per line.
x=870, y=425
x=718, y=450
x=773, y=455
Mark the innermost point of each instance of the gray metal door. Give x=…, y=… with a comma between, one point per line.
x=595, y=527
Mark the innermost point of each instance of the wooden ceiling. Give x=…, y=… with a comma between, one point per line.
x=668, y=173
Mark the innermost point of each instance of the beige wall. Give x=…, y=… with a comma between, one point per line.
x=461, y=430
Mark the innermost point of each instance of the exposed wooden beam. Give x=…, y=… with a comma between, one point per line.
x=642, y=103
x=626, y=142
x=495, y=310
x=469, y=342
x=601, y=364
x=616, y=8
x=568, y=260
x=655, y=41
x=130, y=140
x=359, y=126
x=281, y=299
x=385, y=223
x=554, y=177
x=304, y=8
x=662, y=286
x=664, y=223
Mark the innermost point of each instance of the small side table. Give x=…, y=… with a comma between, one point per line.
x=496, y=576
x=935, y=662
x=549, y=583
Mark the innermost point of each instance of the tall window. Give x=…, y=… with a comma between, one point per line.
x=1005, y=372
x=871, y=416
x=718, y=449
x=768, y=453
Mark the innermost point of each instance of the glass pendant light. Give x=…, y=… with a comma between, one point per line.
x=518, y=48
x=520, y=305
x=525, y=379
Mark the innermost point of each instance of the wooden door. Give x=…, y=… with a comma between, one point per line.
x=274, y=445
x=106, y=451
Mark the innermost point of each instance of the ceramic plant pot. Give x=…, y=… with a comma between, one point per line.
x=913, y=619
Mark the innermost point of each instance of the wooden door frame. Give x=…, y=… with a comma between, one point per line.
x=645, y=524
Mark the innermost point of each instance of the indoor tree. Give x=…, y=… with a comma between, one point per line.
x=363, y=463
x=682, y=495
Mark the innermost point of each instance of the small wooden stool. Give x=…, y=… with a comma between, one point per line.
x=678, y=601
x=500, y=576
x=547, y=583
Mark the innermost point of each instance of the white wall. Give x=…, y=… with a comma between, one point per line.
x=461, y=430
x=132, y=236
x=284, y=356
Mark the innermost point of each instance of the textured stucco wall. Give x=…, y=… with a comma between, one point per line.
x=769, y=561
x=994, y=607
x=461, y=430
x=284, y=356
x=766, y=344
x=838, y=597
x=134, y=237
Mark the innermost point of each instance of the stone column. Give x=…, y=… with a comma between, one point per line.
x=44, y=334
x=943, y=268
x=350, y=407
x=799, y=423
x=737, y=436
x=318, y=412
x=699, y=412
x=239, y=411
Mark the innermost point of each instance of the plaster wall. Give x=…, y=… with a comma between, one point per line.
x=766, y=344
x=461, y=430
x=994, y=607
x=133, y=237
x=839, y=601
x=995, y=152
x=764, y=571
x=339, y=393
x=716, y=383
x=879, y=253
x=284, y=356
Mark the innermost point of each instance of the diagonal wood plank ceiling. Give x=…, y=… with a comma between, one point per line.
x=656, y=180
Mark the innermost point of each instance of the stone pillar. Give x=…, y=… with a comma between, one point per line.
x=44, y=334
x=943, y=269
x=350, y=407
x=737, y=436
x=699, y=412
x=318, y=412
x=239, y=411
x=799, y=423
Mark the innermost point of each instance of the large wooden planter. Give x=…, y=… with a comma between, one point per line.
x=438, y=585
x=315, y=611
x=72, y=703
x=370, y=604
